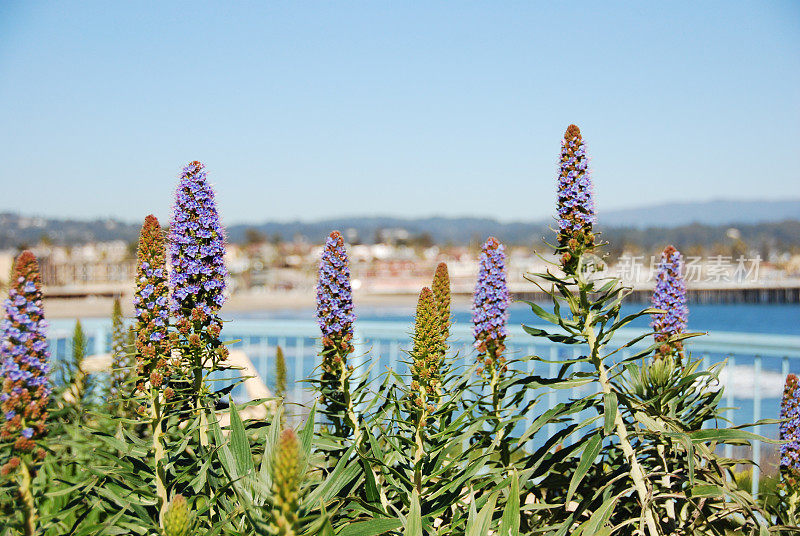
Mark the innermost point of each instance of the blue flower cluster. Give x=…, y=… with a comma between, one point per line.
x=575, y=202
x=490, y=304
x=24, y=359
x=335, y=298
x=151, y=302
x=197, y=249
x=670, y=297
x=790, y=432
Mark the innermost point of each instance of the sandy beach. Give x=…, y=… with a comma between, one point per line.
x=242, y=302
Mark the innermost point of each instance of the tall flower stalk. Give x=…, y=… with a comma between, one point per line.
x=790, y=433
x=121, y=359
x=426, y=362
x=669, y=297
x=197, y=284
x=489, y=317
x=286, y=479
x=441, y=297
x=151, y=304
x=576, y=218
x=335, y=317
x=153, y=347
x=197, y=278
x=490, y=308
x=24, y=368
x=77, y=379
x=575, y=201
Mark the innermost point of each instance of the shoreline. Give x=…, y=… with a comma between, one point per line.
x=100, y=307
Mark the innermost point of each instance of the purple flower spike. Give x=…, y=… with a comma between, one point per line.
x=335, y=299
x=490, y=305
x=197, y=249
x=150, y=301
x=24, y=359
x=575, y=202
x=790, y=432
x=670, y=296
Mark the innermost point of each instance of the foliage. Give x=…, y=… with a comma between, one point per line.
x=435, y=448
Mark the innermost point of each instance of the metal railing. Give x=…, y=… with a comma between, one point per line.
x=753, y=376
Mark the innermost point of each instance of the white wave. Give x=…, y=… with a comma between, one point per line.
x=742, y=380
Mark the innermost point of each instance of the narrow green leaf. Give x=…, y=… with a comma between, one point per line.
x=306, y=435
x=414, y=519
x=590, y=452
x=509, y=524
x=484, y=520
x=555, y=337
x=600, y=516
x=270, y=440
x=609, y=411
x=541, y=313
x=372, y=527
x=707, y=491
x=727, y=434
x=239, y=444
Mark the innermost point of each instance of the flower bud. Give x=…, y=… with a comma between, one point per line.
x=177, y=519
x=286, y=479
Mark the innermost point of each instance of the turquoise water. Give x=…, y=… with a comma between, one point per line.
x=779, y=319
x=747, y=318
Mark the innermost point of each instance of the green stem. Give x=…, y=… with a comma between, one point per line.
x=203, y=428
x=159, y=454
x=28, y=504
x=419, y=452
x=666, y=482
x=637, y=474
x=494, y=383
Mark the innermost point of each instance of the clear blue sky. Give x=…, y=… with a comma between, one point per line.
x=404, y=108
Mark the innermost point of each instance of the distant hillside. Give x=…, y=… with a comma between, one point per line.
x=367, y=229
x=719, y=212
x=769, y=223
x=17, y=230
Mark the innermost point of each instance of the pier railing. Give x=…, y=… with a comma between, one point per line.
x=752, y=375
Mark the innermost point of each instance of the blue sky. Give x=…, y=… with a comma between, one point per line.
x=311, y=110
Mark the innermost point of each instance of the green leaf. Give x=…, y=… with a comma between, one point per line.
x=372, y=527
x=270, y=440
x=414, y=519
x=306, y=435
x=342, y=474
x=555, y=337
x=484, y=519
x=509, y=524
x=707, y=490
x=727, y=434
x=595, y=523
x=609, y=412
x=327, y=528
x=541, y=313
x=590, y=452
x=239, y=444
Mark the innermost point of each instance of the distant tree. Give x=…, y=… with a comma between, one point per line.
x=254, y=237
